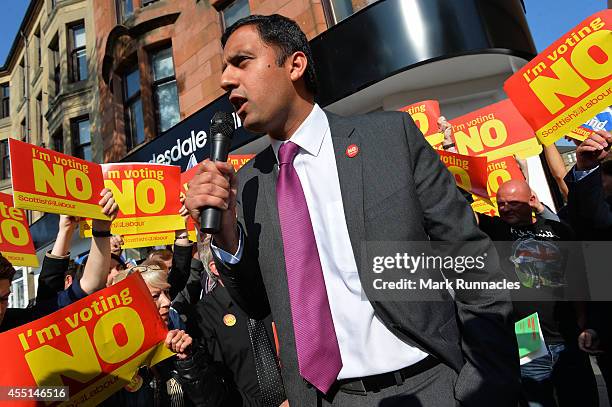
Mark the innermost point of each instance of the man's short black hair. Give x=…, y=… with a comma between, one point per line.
x=286, y=35
x=7, y=271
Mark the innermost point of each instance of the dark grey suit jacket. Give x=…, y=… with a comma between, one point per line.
x=395, y=189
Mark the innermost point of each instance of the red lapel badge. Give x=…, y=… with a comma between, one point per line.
x=352, y=150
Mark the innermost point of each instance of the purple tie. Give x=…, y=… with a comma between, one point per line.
x=317, y=347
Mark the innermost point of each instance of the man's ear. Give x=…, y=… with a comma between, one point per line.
x=297, y=64
x=213, y=267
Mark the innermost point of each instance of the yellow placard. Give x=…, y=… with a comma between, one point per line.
x=149, y=224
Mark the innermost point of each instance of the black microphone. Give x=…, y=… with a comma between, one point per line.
x=221, y=132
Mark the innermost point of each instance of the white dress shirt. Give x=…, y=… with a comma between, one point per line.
x=367, y=347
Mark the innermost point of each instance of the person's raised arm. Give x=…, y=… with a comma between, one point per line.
x=557, y=167
x=98, y=263
x=116, y=243
x=448, y=144
x=67, y=225
x=51, y=279
x=542, y=210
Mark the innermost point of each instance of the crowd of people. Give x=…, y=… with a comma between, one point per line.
x=270, y=311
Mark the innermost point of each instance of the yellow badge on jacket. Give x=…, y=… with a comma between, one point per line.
x=229, y=320
x=135, y=384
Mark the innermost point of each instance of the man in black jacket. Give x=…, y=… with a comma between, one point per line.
x=230, y=338
x=544, y=290
x=590, y=212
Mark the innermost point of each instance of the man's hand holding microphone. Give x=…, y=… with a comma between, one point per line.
x=211, y=197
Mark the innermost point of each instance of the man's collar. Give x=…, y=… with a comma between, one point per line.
x=309, y=136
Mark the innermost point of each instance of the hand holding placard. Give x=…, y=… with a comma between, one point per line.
x=109, y=208
x=592, y=150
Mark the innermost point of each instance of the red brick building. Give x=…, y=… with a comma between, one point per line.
x=160, y=61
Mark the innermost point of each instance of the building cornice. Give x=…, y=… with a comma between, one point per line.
x=134, y=32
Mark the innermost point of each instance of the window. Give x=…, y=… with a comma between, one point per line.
x=338, y=10
x=18, y=292
x=125, y=9
x=234, y=12
x=134, y=119
x=57, y=141
x=78, y=52
x=39, y=117
x=5, y=105
x=56, y=64
x=23, y=78
x=25, y=137
x=6, y=162
x=38, y=62
x=164, y=90
x=81, y=138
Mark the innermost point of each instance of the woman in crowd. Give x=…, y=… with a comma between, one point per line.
x=187, y=379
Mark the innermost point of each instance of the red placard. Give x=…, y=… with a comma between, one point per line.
x=16, y=244
x=470, y=172
x=238, y=160
x=569, y=82
x=498, y=172
x=425, y=115
x=495, y=131
x=48, y=181
x=185, y=178
x=94, y=346
x=581, y=133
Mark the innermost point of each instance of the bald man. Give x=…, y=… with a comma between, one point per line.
x=535, y=230
x=517, y=202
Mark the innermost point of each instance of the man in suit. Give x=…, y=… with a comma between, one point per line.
x=295, y=249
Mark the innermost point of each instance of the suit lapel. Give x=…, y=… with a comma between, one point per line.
x=350, y=175
x=274, y=238
x=269, y=176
